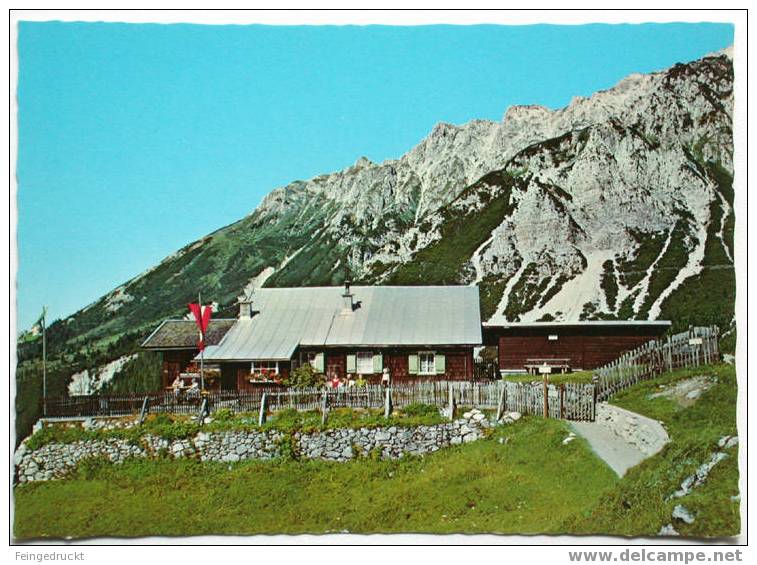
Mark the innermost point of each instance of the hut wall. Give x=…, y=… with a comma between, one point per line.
x=585, y=348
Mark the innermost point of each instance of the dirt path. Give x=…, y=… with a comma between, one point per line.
x=622, y=438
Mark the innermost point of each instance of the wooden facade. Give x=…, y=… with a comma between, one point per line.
x=458, y=366
x=458, y=363
x=175, y=362
x=583, y=346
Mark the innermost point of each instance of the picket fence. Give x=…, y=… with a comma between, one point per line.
x=692, y=348
x=568, y=401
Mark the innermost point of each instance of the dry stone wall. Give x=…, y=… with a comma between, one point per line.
x=56, y=460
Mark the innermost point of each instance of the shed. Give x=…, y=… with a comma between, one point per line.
x=579, y=345
x=177, y=341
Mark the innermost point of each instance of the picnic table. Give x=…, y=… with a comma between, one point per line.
x=548, y=366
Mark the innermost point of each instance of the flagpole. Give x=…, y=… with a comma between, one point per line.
x=44, y=364
x=202, y=351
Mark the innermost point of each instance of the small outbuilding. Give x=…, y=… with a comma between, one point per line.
x=178, y=341
x=567, y=346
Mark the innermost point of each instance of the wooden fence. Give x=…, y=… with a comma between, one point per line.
x=692, y=348
x=485, y=371
x=569, y=401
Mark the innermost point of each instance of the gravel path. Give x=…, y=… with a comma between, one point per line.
x=622, y=438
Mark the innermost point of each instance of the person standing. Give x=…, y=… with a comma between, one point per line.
x=385, y=377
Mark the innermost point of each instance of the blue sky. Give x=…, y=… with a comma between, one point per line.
x=135, y=139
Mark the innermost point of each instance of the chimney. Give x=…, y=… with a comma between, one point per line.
x=348, y=304
x=245, y=308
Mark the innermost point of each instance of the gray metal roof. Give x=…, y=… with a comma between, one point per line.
x=284, y=318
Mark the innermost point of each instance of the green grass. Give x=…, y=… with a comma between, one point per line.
x=640, y=505
x=557, y=378
x=530, y=484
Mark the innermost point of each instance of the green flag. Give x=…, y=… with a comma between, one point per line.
x=35, y=332
x=42, y=318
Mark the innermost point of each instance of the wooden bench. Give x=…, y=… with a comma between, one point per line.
x=551, y=365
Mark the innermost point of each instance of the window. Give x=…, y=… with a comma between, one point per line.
x=365, y=362
x=427, y=363
x=310, y=357
x=271, y=367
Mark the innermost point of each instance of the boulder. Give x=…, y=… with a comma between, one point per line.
x=680, y=512
x=668, y=530
x=727, y=442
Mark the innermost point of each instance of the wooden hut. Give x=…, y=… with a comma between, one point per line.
x=567, y=346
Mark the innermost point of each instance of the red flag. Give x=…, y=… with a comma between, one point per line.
x=206, y=318
x=195, y=309
x=202, y=319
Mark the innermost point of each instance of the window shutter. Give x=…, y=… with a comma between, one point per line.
x=351, y=363
x=319, y=362
x=440, y=364
x=412, y=364
x=378, y=362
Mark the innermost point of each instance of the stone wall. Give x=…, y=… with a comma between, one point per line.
x=55, y=460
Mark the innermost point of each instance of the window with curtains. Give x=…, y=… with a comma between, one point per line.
x=268, y=367
x=426, y=363
x=364, y=362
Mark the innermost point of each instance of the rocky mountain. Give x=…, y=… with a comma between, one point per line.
x=619, y=205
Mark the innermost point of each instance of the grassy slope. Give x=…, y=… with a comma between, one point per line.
x=639, y=505
x=531, y=484
x=709, y=297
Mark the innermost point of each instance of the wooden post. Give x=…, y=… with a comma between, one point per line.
x=451, y=402
x=669, y=354
x=324, y=408
x=595, y=382
x=143, y=413
x=203, y=411
x=501, y=403
x=261, y=414
x=546, y=396
x=562, y=401
x=388, y=402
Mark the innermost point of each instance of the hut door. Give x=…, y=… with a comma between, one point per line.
x=228, y=377
x=336, y=364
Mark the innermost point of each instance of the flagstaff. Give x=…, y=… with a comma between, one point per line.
x=202, y=318
x=202, y=349
x=44, y=362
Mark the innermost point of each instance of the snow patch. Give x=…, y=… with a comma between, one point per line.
x=86, y=383
x=643, y=284
x=499, y=317
x=476, y=260
x=576, y=292
x=258, y=280
x=693, y=267
x=117, y=299
x=726, y=212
